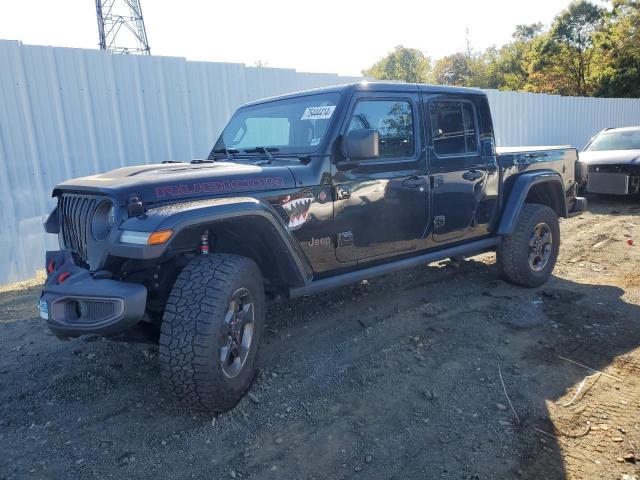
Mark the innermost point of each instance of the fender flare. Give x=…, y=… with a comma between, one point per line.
x=180, y=217
x=518, y=194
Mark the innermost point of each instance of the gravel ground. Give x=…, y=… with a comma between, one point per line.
x=397, y=377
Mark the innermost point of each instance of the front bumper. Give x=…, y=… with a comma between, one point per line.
x=75, y=303
x=608, y=183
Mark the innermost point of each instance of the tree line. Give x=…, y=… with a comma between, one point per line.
x=587, y=51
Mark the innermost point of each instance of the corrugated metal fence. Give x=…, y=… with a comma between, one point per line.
x=66, y=113
x=537, y=119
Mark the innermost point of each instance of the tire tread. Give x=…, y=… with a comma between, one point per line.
x=512, y=266
x=189, y=328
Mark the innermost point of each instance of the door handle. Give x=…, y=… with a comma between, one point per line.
x=473, y=175
x=414, y=181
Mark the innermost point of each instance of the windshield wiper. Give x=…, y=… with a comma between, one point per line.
x=265, y=150
x=229, y=152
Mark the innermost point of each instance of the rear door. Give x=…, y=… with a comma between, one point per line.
x=382, y=205
x=458, y=170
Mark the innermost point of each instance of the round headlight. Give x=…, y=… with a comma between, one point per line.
x=103, y=221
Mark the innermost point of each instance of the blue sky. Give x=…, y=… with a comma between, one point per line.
x=322, y=36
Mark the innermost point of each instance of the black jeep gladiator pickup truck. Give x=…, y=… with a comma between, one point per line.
x=300, y=194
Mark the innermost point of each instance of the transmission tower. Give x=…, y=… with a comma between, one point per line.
x=121, y=27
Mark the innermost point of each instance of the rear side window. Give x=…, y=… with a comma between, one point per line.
x=394, y=121
x=453, y=127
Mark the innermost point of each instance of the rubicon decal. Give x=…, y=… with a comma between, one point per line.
x=189, y=189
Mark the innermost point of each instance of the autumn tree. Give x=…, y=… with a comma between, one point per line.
x=588, y=50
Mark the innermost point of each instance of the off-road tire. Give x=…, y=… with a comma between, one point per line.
x=513, y=253
x=191, y=331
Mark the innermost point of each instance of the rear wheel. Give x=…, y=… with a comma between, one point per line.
x=528, y=256
x=211, y=330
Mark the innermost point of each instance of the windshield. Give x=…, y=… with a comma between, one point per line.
x=626, y=140
x=293, y=125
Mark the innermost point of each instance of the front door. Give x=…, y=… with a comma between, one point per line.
x=458, y=170
x=381, y=205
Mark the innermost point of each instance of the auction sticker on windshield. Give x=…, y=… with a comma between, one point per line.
x=318, y=113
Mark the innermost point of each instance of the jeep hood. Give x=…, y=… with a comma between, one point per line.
x=611, y=157
x=173, y=181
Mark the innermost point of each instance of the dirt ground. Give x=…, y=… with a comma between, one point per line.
x=398, y=377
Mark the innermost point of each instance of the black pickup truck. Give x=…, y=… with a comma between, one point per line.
x=300, y=194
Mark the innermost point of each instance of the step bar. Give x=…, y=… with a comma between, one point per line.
x=467, y=249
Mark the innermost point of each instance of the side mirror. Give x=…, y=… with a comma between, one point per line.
x=363, y=144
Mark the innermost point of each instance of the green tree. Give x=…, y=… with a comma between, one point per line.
x=563, y=60
x=453, y=69
x=405, y=64
x=619, y=48
x=526, y=33
x=468, y=69
x=515, y=58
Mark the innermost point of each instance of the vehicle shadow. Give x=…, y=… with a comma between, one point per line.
x=588, y=322
x=574, y=421
x=587, y=398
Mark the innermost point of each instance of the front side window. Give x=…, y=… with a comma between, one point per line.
x=453, y=128
x=625, y=140
x=293, y=125
x=394, y=121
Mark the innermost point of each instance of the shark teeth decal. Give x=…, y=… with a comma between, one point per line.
x=298, y=211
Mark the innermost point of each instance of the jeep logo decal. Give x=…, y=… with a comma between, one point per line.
x=188, y=189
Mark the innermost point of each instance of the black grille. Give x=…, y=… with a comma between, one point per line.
x=101, y=310
x=75, y=213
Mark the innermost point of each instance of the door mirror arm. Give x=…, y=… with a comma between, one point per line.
x=340, y=158
x=488, y=147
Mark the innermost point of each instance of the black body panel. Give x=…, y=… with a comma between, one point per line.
x=318, y=220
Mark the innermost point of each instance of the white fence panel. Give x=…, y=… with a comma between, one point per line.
x=67, y=113
x=536, y=119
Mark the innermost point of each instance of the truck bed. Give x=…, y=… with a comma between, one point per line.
x=561, y=159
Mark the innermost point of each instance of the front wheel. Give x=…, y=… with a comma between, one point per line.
x=527, y=256
x=211, y=330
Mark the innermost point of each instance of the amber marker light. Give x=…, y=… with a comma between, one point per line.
x=158, y=238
